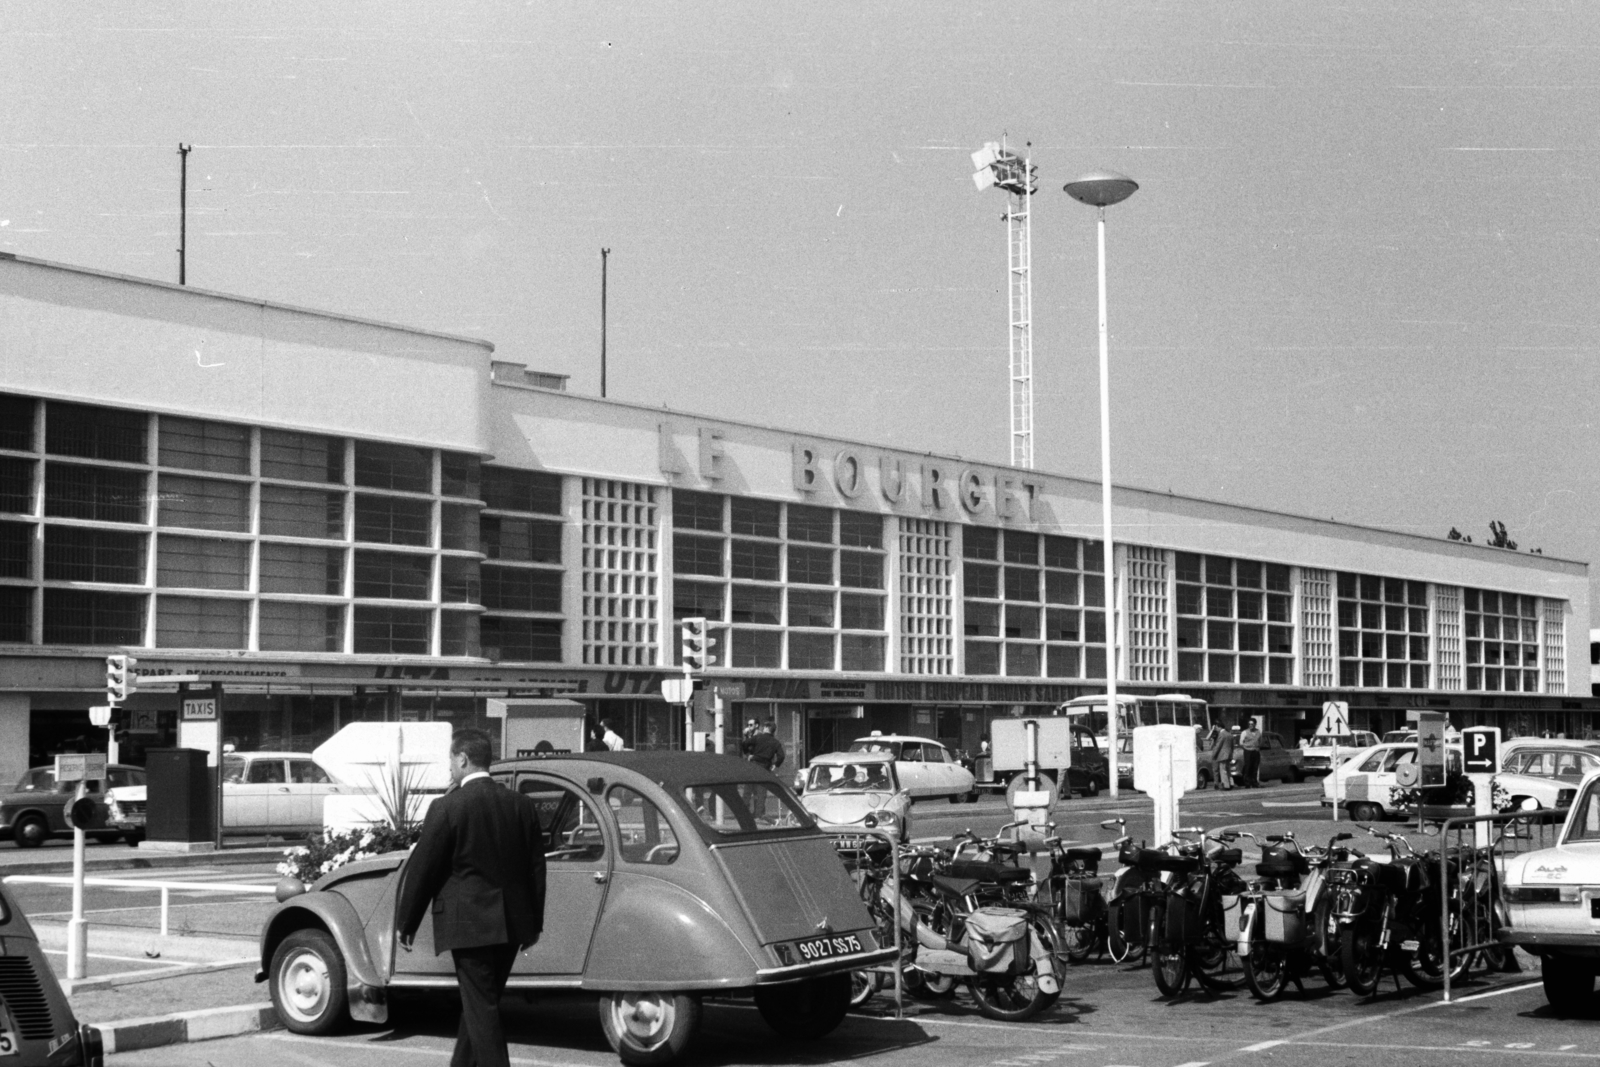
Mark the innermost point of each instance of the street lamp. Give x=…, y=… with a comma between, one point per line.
x=1100, y=189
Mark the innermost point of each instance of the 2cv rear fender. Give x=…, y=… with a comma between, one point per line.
x=331, y=912
x=658, y=935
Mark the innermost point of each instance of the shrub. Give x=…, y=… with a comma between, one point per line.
x=324, y=852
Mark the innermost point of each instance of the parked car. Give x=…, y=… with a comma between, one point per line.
x=842, y=790
x=926, y=769
x=274, y=793
x=1368, y=783
x=1550, y=896
x=36, y=809
x=1277, y=761
x=1316, y=752
x=125, y=811
x=1545, y=772
x=671, y=875
x=36, y=1021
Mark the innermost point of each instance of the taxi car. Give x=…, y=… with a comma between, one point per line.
x=926, y=767
x=846, y=792
x=1316, y=752
x=670, y=875
x=1368, y=782
x=1552, y=905
x=36, y=1020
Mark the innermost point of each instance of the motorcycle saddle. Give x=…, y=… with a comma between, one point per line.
x=1151, y=859
x=988, y=872
x=1084, y=854
x=956, y=887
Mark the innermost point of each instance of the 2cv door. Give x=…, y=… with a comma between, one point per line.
x=578, y=865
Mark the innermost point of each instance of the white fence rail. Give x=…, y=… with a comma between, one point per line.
x=165, y=887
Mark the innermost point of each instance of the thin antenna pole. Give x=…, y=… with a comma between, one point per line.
x=604, y=253
x=183, y=212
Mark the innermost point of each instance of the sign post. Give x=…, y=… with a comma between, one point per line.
x=1480, y=752
x=81, y=769
x=1335, y=723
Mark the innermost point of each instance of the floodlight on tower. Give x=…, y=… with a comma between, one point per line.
x=1000, y=167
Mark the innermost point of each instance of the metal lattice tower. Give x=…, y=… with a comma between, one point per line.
x=1002, y=168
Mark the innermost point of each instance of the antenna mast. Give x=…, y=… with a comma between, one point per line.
x=1003, y=168
x=605, y=254
x=183, y=211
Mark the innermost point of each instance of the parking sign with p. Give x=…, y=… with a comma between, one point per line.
x=1480, y=749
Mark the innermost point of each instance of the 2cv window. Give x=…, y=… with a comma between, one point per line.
x=572, y=833
x=1586, y=818
x=736, y=808
x=644, y=833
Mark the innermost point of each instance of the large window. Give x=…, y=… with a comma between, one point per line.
x=1383, y=632
x=1033, y=605
x=1502, y=641
x=523, y=581
x=801, y=587
x=1235, y=620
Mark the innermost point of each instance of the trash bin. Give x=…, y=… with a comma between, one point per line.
x=181, y=792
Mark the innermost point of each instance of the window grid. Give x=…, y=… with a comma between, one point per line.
x=927, y=587
x=1447, y=637
x=1032, y=605
x=1555, y=647
x=1235, y=620
x=619, y=567
x=1502, y=641
x=1316, y=628
x=1383, y=632
x=1149, y=620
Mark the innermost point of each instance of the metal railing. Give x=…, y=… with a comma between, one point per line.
x=166, y=888
x=1470, y=875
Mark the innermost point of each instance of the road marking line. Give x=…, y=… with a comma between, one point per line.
x=1492, y=993
x=120, y=959
x=1450, y=1048
x=1196, y=1063
x=1291, y=803
x=1262, y=1045
x=391, y=1047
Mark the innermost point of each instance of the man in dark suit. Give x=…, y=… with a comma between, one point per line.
x=480, y=862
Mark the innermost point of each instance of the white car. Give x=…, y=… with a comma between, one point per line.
x=925, y=767
x=1552, y=898
x=842, y=790
x=1544, y=771
x=1317, y=751
x=1367, y=782
x=274, y=793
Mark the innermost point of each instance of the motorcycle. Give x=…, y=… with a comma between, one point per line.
x=1390, y=914
x=1190, y=932
x=1284, y=918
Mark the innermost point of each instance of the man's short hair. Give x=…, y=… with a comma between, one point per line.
x=475, y=745
x=609, y=724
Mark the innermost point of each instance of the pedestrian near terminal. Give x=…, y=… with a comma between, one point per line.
x=765, y=749
x=608, y=734
x=1250, y=758
x=480, y=863
x=1222, y=756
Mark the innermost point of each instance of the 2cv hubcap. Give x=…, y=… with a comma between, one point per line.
x=304, y=985
x=645, y=1017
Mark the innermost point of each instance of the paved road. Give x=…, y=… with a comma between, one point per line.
x=1109, y=1017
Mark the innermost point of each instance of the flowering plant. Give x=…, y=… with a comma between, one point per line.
x=1457, y=791
x=324, y=852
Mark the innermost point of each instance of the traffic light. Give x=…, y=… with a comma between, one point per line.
x=697, y=645
x=120, y=681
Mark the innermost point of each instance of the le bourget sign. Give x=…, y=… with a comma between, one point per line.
x=869, y=479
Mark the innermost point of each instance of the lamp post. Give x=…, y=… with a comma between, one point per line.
x=1100, y=189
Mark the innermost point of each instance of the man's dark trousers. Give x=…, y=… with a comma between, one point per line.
x=481, y=974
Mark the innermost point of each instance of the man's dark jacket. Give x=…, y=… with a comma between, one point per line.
x=766, y=750
x=481, y=862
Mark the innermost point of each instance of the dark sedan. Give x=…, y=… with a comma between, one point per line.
x=36, y=809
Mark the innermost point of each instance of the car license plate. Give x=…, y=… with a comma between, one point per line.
x=8, y=1033
x=824, y=948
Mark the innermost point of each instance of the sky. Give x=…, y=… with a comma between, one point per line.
x=1357, y=282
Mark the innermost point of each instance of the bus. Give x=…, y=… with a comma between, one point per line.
x=1165, y=709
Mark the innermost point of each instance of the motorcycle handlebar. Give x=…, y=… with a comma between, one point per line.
x=1109, y=823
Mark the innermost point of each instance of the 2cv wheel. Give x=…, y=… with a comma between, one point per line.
x=308, y=982
x=805, y=1010
x=649, y=1028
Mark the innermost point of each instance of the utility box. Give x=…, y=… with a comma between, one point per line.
x=181, y=796
x=531, y=727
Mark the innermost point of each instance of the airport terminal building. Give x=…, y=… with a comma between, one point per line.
x=323, y=520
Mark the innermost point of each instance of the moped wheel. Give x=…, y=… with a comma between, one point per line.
x=862, y=985
x=926, y=985
x=1012, y=998
x=1362, y=958
x=1078, y=941
x=1171, y=966
x=649, y=1028
x=1266, y=971
x=1210, y=960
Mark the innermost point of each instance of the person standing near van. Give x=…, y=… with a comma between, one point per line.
x=1222, y=756
x=1250, y=761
